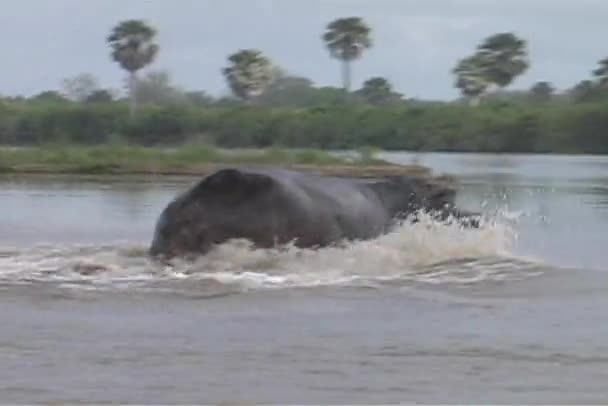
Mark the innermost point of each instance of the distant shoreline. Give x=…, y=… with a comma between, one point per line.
x=189, y=161
x=360, y=171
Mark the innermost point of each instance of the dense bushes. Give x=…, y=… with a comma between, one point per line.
x=42, y=123
x=447, y=127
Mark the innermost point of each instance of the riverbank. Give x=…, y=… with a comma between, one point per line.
x=190, y=160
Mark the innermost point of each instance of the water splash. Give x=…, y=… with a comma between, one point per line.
x=426, y=251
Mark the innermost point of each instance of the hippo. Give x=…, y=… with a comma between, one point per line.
x=273, y=206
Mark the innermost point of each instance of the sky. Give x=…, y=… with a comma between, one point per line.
x=416, y=43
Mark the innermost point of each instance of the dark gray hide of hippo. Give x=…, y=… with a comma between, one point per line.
x=276, y=206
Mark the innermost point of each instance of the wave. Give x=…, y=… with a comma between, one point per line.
x=426, y=251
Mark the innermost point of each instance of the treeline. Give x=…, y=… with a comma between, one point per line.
x=491, y=127
x=270, y=107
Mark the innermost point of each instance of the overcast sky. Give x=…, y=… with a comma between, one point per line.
x=416, y=42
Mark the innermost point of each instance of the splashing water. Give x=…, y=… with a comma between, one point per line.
x=425, y=251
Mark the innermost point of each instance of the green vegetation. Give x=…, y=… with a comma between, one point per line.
x=491, y=127
x=188, y=159
x=499, y=59
x=378, y=91
x=274, y=110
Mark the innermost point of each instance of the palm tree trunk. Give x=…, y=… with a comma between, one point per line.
x=132, y=94
x=346, y=73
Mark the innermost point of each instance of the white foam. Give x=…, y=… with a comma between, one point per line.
x=425, y=251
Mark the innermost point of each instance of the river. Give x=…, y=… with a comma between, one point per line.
x=511, y=313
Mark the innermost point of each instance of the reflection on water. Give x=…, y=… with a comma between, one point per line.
x=598, y=198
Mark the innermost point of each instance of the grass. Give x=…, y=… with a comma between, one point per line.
x=187, y=159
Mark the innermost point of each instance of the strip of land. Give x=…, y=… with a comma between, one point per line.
x=190, y=160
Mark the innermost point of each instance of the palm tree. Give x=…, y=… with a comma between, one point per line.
x=470, y=78
x=378, y=91
x=503, y=57
x=248, y=74
x=133, y=48
x=346, y=39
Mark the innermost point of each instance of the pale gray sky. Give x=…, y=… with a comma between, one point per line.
x=416, y=42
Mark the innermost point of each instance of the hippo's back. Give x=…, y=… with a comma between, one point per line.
x=315, y=207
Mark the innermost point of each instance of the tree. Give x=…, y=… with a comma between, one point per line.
x=346, y=39
x=502, y=97
x=228, y=101
x=583, y=91
x=283, y=80
x=541, y=92
x=100, y=96
x=328, y=96
x=601, y=73
x=249, y=73
x=80, y=87
x=49, y=96
x=199, y=98
x=133, y=48
x=288, y=90
x=503, y=57
x=378, y=91
x=470, y=78
x=499, y=59
x=156, y=88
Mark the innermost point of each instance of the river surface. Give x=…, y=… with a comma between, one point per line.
x=514, y=312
